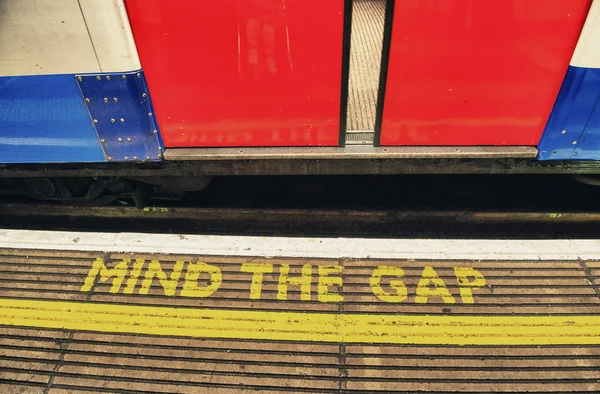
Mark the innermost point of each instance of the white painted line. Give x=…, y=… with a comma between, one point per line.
x=303, y=247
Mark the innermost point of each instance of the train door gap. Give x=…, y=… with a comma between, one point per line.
x=368, y=18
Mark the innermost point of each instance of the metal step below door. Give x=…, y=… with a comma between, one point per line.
x=359, y=149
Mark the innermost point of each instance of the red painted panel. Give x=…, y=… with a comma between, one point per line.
x=468, y=72
x=242, y=72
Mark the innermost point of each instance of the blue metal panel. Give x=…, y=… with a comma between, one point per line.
x=43, y=119
x=120, y=107
x=588, y=147
x=573, y=131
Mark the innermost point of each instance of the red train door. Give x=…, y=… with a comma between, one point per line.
x=243, y=72
x=464, y=72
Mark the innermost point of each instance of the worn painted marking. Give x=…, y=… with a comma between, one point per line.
x=329, y=280
x=293, y=326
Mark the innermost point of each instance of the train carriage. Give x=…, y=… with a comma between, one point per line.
x=104, y=97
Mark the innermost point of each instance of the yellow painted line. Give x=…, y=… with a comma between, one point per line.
x=294, y=326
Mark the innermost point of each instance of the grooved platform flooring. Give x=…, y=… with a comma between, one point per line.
x=79, y=322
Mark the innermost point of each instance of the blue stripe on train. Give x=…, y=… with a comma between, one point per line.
x=47, y=119
x=43, y=119
x=573, y=131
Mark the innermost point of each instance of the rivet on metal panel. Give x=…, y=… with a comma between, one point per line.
x=120, y=139
x=128, y=139
x=147, y=157
x=98, y=77
x=155, y=132
x=144, y=95
x=135, y=158
x=139, y=75
x=109, y=158
x=95, y=120
x=122, y=120
x=150, y=114
x=102, y=140
x=115, y=99
x=87, y=100
x=564, y=131
x=105, y=100
x=159, y=148
x=79, y=79
x=113, y=120
x=574, y=142
x=108, y=77
x=126, y=158
x=124, y=76
x=160, y=156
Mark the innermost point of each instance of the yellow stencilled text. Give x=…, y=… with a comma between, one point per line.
x=323, y=283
